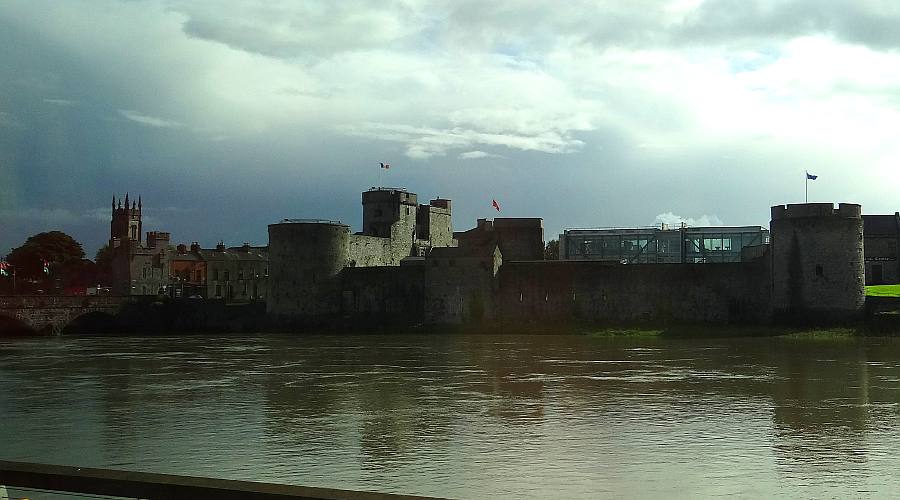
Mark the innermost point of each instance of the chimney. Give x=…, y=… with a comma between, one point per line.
x=182, y=249
x=195, y=247
x=245, y=247
x=220, y=247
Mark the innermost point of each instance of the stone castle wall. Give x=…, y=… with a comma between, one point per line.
x=388, y=294
x=565, y=291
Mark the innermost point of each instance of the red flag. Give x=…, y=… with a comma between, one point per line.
x=495, y=205
x=385, y=165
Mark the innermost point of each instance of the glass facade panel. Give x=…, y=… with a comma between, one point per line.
x=688, y=245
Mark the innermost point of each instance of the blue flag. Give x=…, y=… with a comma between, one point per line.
x=811, y=176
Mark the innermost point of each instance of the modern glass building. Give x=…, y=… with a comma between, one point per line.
x=661, y=245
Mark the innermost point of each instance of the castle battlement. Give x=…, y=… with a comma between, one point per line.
x=802, y=210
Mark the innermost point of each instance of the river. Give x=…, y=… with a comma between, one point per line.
x=561, y=416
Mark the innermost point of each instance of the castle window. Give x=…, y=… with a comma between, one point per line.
x=215, y=275
x=244, y=291
x=218, y=290
x=227, y=275
x=819, y=271
x=240, y=274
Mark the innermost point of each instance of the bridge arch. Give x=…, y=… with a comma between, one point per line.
x=90, y=323
x=14, y=326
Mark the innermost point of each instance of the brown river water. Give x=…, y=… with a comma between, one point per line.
x=562, y=416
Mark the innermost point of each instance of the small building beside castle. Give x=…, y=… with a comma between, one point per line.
x=661, y=245
x=882, y=238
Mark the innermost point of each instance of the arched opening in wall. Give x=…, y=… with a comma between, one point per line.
x=819, y=270
x=13, y=327
x=92, y=323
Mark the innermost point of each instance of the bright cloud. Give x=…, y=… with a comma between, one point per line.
x=673, y=220
x=150, y=121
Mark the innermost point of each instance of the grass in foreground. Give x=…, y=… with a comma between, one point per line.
x=883, y=290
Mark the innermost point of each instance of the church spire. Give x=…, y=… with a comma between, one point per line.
x=139, y=203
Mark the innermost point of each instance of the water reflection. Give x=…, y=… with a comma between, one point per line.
x=467, y=417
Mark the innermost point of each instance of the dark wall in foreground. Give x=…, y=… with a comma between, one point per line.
x=565, y=291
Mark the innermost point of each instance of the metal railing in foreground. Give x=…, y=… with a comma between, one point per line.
x=83, y=480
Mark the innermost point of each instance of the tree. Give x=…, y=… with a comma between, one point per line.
x=54, y=247
x=104, y=256
x=551, y=251
x=104, y=259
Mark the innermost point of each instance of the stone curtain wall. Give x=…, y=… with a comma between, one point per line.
x=368, y=251
x=566, y=291
x=388, y=294
x=460, y=290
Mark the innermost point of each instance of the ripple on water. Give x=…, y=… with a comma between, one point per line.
x=466, y=417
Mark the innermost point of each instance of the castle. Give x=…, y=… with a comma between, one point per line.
x=813, y=268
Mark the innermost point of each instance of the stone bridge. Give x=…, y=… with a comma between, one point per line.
x=49, y=314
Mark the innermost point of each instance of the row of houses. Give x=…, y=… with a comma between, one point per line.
x=154, y=266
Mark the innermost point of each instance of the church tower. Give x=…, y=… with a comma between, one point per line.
x=126, y=223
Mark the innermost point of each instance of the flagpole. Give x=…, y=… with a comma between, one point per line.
x=807, y=186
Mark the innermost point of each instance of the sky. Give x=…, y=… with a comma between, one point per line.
x=227, y=116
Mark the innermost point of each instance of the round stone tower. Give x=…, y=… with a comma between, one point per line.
x=818, y=269
x=305, y=258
